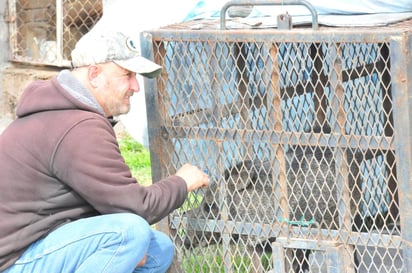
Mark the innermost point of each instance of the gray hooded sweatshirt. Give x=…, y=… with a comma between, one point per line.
x=60, y=161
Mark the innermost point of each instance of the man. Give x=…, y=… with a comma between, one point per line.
x=68, y=202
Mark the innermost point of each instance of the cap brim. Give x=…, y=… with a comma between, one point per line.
x=141, y=66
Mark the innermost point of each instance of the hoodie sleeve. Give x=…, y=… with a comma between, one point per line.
x=88, y=160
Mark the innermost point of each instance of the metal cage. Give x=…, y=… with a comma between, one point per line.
x=305, y=134
x=44, y=32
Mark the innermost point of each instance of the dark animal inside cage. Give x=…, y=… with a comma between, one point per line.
x=252, y=194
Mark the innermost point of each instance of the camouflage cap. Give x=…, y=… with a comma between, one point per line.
x=98, y=47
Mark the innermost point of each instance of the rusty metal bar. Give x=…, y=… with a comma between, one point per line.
x=402, y=102
x=373, y=239
x=364, y=143
x=161, y=147
x=336, y=262
x=278, y=257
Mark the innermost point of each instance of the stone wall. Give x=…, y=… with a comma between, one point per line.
x=13, y=80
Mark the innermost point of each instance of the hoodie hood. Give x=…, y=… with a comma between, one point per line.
x=66, y=93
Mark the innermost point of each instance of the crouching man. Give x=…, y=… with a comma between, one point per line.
x=68, y=200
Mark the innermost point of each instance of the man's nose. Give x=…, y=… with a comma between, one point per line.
x=134, y=85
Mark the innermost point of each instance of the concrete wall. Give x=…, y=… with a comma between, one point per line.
x=3, y=50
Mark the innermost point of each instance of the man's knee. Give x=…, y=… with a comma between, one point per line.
x=165, y=242
x=135, y=228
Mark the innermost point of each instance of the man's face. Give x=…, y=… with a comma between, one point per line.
x=116, y=86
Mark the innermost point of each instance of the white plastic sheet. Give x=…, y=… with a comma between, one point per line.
x=331, y=12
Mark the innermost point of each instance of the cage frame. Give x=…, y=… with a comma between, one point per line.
x=399, y=39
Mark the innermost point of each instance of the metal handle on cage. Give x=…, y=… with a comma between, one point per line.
x=268, y=3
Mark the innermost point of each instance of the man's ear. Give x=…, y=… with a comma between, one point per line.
x=93, y=72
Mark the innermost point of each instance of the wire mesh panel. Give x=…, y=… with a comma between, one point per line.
x=45, y=31
x=305, y=135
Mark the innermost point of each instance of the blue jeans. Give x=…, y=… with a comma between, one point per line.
x=112, y=243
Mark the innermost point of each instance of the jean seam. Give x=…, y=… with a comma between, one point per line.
x=50, y=251
x=121, y=243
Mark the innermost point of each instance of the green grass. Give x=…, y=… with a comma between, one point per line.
x=210, y=259
x=137, y=157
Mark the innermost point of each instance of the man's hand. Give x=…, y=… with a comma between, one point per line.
x=194, y=177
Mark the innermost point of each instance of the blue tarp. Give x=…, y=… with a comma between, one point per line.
x=331, y=12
